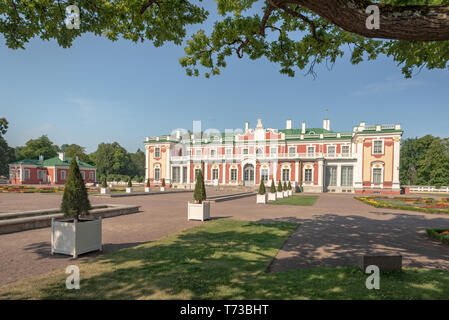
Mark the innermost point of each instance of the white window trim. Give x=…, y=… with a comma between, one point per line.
x=236, y=176
x=381, y=174
x=158, y=152
x=383, y=146
x=289, y=174
x=311, y=153
x=331, y=146
x=268, y=174
x=304, y=175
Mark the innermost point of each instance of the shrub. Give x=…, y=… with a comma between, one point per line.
x=148, y=183
x=272, y=188
x=163, y=182
x=130, y=184
x=289, y=186
x=200, y=189
x=104, y=184
x=262, y=188
x=75, y=201
x=436, y=234
x=285, y=186
x=279, y=186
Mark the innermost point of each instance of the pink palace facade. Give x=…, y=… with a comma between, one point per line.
x=364, y=160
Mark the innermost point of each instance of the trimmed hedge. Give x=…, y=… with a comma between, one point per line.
x=436, y=234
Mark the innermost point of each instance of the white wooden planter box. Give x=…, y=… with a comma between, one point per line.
x=104, y=191
x=147, y=189
x=271, y=196
x=129, y=190
x=279, y=194
x=75, y=237
x=162, y=188
x=290, y=193
x=261, y=198
x=285, y=194
x=198, y=211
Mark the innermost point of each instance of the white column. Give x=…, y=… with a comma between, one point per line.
x=147, y=175
x=358, y=168
x=339, y=175
x=167, y=159
x=275, y=166
x=297, y=171
x=320, y=173
x=205, y=171
x=396, y=163
x=188, y=172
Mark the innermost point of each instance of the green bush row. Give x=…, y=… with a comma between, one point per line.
x=386, y=205
x=436, y=234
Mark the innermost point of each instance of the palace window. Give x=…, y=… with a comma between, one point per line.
x=157, y=152
x=308, y=175
x=259, y=151
x=377, y=176
x=331, y=176
x=285, y=174
x=245, y=151
x=347, y=176
x=18, y=173
x=310, y=151
x=197, y=171
x=40, y=174
x=63, y=175
x=12, y=174
x=91, y=176
x=228, y=151
x=157, y=174
x=27, y=174
x=378, y=147
x=198, y=152
x=331, y=151
x=345, y=150
x=264, y=174
x=292, y=150
x=234, y=174
x=212, y=153
x=273, y=151
x=176, y=174
x=214, y=174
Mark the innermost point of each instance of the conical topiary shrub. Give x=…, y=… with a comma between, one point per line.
x=200, y=189
x=273, y=187
x=130, y=184
x=285, y=186
x=148, y=183
x=104, y=184
x=262, y=187
x=163, y=182
x=289, y=186
x=279, y=186
x=75, y=201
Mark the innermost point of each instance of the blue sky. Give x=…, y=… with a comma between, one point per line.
x=103, y=91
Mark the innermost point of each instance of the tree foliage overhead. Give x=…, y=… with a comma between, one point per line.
x=7, y=154
x=295, y=34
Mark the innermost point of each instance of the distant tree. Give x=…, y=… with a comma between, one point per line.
x=104, y=184
x=75, y=201
x=130, y=183
x=7, y=154
x=137, y=163
x=199, y=194
x=36, y=147
x=111, y=158
x=74, y=150
x=434, y=166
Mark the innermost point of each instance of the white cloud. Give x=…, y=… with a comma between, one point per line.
x=390, y=85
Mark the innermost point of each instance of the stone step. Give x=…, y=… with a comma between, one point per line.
x=227, y=195
x=22, y=223
x=232, y=197
x=32, y=213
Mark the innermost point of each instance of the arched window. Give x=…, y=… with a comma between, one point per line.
x=259, y=151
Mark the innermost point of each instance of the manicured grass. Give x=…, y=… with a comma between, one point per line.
x=222, y=259
x=297, y=201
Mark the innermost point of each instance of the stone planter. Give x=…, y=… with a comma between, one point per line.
x=285, y=194
x=147, y=189
x=261, y=198
x=129, y=190
x=162, y=188
x=290, y=193
x=75, y=237
x=279, y=194
x=198, y=211
x=271, y=196
x=104, y=190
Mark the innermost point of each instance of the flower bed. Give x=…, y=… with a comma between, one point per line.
x=27, y=189
x=439, y=234
x=420, y=204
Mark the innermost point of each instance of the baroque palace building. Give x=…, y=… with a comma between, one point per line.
x=365, y=160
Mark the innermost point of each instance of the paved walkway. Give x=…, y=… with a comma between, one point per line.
x=333, y=232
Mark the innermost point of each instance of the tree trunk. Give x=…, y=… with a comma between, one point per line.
x=420, y=23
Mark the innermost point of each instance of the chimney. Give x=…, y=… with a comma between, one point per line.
x=288, y=124
x=178, y=134
x=41, y=158
x=61, y=156
x=327, y=124
x=363, y=124
x=259, y=123
x=303, y=129
x=246, y=126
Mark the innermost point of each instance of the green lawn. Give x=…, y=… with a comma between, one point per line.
x=222, y=259
x=297, y=201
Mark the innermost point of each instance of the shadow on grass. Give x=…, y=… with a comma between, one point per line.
x=223, y=259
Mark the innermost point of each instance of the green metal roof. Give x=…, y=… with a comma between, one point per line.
x=53, y=162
